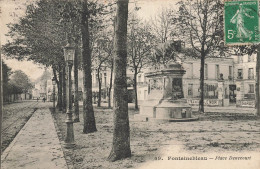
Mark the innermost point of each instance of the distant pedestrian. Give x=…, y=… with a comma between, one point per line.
x=37, y=99
x=43, y=99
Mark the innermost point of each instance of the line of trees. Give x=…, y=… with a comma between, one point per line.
x=14, y=83
x=41, y=34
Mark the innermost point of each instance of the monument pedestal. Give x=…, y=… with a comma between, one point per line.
x=166, y=110
x=165, y=101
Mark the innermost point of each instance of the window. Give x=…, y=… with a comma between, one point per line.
x=250, y=58
x=217, y=71
x=96, y=79
x=250, y=73
x=144, y=79
x=139, y=78
x=105, y=79
x=100, y=76
x=191, y=70
x=251, y=88
x=240, y=74
x=230, y=73
x=190, y=87
x=206, y=71
x=240, y=59
x=145, y=94
x=210, y=91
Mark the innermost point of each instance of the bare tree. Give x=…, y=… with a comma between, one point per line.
x=99, y=64
x=1, y=101
x=161, y=25
x=64, y=89
x=110, y=83
x=76, y=84
x=121, y=133
x=201, y=22
x=140, y=47
x=103, y=54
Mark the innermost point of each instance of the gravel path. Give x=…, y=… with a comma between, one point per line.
x=149, y=141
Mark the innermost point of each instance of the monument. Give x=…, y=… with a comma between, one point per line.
x=165, y=100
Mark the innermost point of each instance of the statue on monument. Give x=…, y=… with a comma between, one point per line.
x=168, y=51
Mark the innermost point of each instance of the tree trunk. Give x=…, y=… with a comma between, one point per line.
x=64, y=89
x=201, y=103
x=88, y=112
x=76, y=83
x=59, y=84
x=110, y=86
x=135, y=90
x=121, y=133
x=257, y=105
x=1, y=102
x=99, y=87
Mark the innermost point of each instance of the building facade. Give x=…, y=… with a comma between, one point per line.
x=218, y=81
x=227, y=81
x=245, y=79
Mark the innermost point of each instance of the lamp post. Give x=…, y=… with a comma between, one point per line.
x=54, y=83
x=69, y=53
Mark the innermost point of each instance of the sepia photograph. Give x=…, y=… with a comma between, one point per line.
x=118, y=84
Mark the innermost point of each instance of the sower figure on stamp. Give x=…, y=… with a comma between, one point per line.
x=238, y=19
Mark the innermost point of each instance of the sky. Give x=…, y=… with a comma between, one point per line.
x=12, y=9
x=149, y=8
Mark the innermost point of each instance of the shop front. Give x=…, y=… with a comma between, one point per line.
x=207, y=102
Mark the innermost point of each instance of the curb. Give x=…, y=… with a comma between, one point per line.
x=67, y=158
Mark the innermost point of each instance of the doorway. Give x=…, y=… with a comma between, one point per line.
x=232, y=93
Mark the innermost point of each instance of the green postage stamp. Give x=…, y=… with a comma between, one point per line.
x=241, y=22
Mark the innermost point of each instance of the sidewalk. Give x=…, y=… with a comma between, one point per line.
x=36, y=146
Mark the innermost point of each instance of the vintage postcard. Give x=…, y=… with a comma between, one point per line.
x=143, y=84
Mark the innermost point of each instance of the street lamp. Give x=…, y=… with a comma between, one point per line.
x=69, y=53
x=54, y=83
